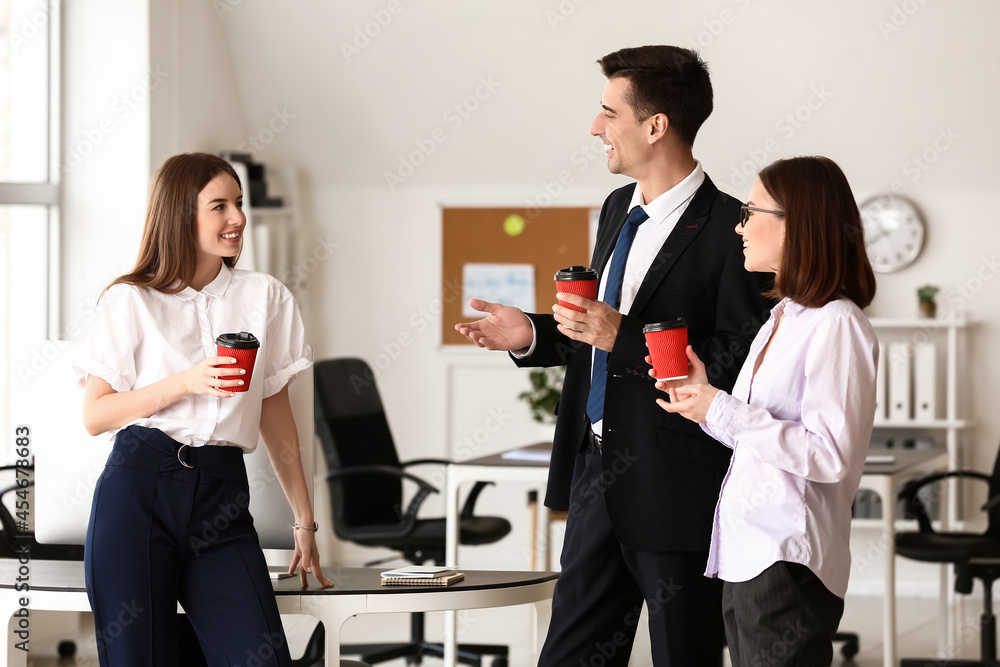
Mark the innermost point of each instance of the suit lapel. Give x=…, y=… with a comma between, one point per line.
x=617, y=214
x=691, y=222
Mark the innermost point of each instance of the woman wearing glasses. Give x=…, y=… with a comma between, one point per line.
x=799, y=419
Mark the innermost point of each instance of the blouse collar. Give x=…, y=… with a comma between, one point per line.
x=216, y=288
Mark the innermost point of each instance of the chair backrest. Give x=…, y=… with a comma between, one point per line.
x=353, y=431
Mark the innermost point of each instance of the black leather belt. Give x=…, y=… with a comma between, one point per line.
x=594, y=439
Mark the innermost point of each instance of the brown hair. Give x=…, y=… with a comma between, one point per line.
x=664, y=79
x=168, y=253
x=824, y=254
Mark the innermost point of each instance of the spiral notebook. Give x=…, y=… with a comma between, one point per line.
x=444, y=580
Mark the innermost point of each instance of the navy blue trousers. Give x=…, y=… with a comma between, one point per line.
x=162, y=533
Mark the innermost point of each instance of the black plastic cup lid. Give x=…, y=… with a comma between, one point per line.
x=576, y=272
x=238, y=341
x=679, y=323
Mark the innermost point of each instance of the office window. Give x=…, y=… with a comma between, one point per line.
x=29, y=200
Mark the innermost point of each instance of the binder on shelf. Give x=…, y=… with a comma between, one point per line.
x=880, y=389
x=925, y=381
x=900, y=398
x=423, y=581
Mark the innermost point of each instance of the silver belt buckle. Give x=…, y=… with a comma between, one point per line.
x=180, y=460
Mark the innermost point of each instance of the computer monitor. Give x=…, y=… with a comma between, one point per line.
x=47, y=399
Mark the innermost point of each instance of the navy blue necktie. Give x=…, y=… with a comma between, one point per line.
x=612, y=297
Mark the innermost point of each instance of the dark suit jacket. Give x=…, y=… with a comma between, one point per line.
x=662, y=473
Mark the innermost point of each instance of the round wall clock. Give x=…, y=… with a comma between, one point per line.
x=894, y=232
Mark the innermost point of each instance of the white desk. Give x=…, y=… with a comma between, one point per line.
x=59, y=586
x=885, y=479
x=882, y=478
x=495, y=468
x=492, y=468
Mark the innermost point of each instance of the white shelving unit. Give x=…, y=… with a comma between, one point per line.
x=952, y=327
x=270, y=245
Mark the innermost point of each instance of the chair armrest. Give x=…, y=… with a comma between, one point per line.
x=9, y=527
x=382, y=470
x=14, y=487
x=915, y=506
x=468, y=508
x=470, y=500
x=15, y=466
x=410, y=515
x=991, y=503
x=418, y=462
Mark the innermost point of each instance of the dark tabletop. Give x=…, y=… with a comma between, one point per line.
x=68, y=576
x=368, y=580
x=498, y=460
x=903, y=458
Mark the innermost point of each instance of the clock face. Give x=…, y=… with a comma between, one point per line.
x=894, y=232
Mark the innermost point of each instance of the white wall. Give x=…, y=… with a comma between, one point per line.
x=107, y=76
x=199, y=107
x=871, y=84
x=141, y=81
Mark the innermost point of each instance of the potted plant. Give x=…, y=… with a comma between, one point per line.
x=546, y=387
x=925, y=300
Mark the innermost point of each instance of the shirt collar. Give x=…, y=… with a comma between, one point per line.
x=660, y=208
x=787, y=306
x=215, y=288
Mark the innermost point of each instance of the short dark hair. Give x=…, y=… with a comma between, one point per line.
x=664, y=79
x=824, y=254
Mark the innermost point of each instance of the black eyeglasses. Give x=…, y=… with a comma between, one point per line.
x=745, y=213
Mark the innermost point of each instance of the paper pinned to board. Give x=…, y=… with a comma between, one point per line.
x=509, y=284
x=544, y=455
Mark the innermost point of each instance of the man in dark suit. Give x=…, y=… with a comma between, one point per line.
x=640, y=484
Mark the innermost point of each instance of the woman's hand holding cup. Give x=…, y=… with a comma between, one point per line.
x=208, y=378
x=690, y=397
x=696, y=373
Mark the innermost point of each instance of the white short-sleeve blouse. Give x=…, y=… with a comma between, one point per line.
x=140, y=336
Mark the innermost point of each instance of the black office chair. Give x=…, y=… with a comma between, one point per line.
x=313, y=655
x=850, y=644
x=974, y=555
x=365, y=478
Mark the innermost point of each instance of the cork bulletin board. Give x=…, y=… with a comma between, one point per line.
x=513, y=242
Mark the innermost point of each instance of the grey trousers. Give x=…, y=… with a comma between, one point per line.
x=783, y=616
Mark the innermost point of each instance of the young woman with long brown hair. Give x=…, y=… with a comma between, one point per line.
x=153, y=379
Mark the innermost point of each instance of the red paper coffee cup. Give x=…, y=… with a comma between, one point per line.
x=243, y=347
x=577, y=280
x=667, y=343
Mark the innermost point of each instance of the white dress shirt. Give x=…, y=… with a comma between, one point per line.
x=799, y=431
x=663, y=212
x=140, y=336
